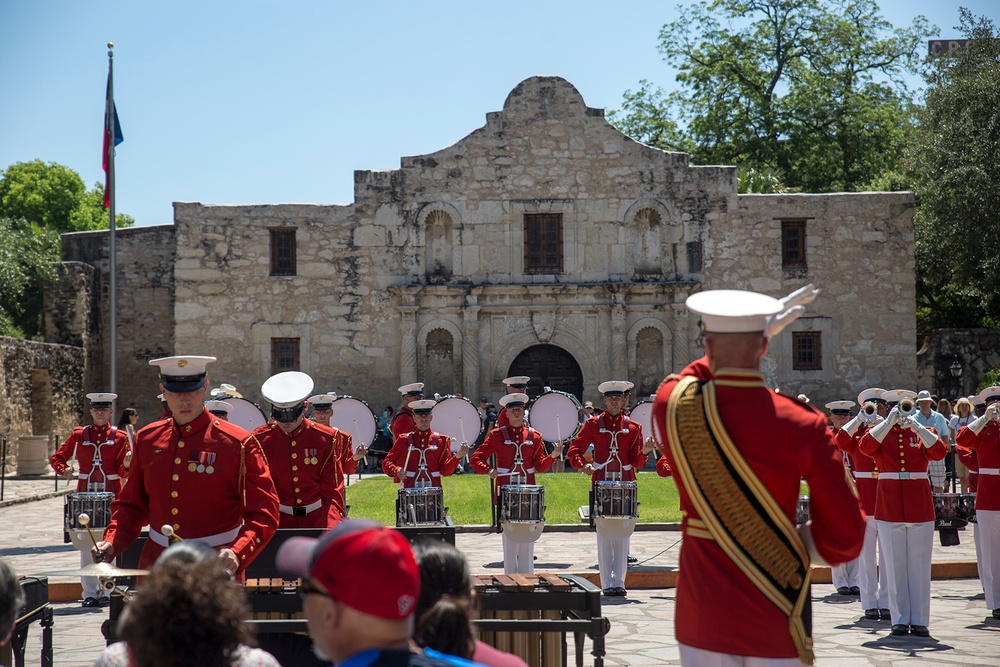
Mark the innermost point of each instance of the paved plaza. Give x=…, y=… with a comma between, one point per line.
x=641, y=625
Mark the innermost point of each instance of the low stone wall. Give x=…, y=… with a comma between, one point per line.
x=977, y=352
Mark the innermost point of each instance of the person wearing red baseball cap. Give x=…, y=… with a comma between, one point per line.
x=360, y=584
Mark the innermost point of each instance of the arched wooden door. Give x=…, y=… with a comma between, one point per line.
x=548, y=366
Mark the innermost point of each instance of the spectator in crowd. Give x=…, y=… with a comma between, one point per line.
x=446, y=607
x=11, y=599
x=929, y=417
x=963, y=417
x=188, y=612
x=128, y=423
x=944, y=407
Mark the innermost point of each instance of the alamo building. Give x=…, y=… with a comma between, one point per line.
x=545, y=243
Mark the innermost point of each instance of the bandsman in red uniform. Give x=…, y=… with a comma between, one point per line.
x=845, y=575
x=517, y=384
x=103, y=456
x=204, y=478
x=871, y=562
x=904, y=509
x=303, y=456
x=322, y=413
x=421, y=457
x=520, y=453
x=981, y=440
x=220, y=409
x=618, y=451
x=732, y=443
x=402, y=422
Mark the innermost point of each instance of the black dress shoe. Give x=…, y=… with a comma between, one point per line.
x=871, y=614
x=103, y=601
x=610, y=592
x=632, y=559
x=885, y=614
x=844, y=590
x=996, y=614
x=90, y=602
x=855, y=590
x=621, y=592
x=920, y=630
x=898, y=629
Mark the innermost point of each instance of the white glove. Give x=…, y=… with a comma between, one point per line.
x=800, y=297
x=852, y=426
x=926, y=437
x=792, y=308
x=992, y=412
x=881, y=430
x=980, y=423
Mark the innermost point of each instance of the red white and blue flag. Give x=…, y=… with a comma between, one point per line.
x=111, y=128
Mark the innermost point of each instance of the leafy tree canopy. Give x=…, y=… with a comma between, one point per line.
x=809, y=89
x=953, y=163
x=27, y=255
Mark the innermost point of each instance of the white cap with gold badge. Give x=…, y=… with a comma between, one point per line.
x=412, y=389
x=322, y=401
x=288, y=389
x=517, y=381
x=514, y=400
x=615, y=387
x=871, y=394
x=733, y=311
x=841, y=408
x=102, y=400
x=219, y=408
x=182, y=374
x=422, y=407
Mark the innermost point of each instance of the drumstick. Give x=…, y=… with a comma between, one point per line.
x=559, y=435
x=461, y=425
x=168, y=532
x=84, y=520
x=357, y=430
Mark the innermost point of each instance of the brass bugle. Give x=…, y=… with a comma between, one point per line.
x=907, y=407
x=869, y=409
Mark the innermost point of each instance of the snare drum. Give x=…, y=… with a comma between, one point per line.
x=802, y=511
x=245, y=414
x=967, y=506
x=457, y=418
x=420, y=506
x=352, y=415
x=95, y=505
x=616, y=500
x=522, y=503
x=951, y=510
x=557, y=415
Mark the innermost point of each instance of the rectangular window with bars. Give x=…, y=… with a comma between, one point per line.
x=807, y=351
x=543, y=243
x=283, y=252
x=793, y=244
x=284, y=355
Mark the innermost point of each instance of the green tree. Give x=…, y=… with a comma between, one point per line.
x=953, y=163
x=54, y=197
x=27, y=256
x=811, y=89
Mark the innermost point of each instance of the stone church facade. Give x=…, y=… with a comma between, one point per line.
x=545, y=242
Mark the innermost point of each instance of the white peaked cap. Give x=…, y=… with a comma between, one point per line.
x=733, y=311
x=288, y=389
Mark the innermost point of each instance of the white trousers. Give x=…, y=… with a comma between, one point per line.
x=871, y=570
x=908, y=548
x=612, y=560
x=988, y=555
x=90, y=584
x=699, y=657
x=518, y=557
x=845, y=574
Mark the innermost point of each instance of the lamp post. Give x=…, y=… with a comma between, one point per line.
x=956, y=372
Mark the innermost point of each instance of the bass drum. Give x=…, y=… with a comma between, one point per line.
x=557, y=415
x=457, y=418
x=246, y=414
x=352, y=415
x=642, y=414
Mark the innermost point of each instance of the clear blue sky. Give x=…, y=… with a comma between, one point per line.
x=262, y=102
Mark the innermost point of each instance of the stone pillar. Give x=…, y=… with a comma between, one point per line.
x=619, y=314
x=470, y=353
x=407, y=345
x=682, y=354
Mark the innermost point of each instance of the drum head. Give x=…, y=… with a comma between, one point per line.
x=352, y=415
x=457, y=418
x=556, y=415
x=642, y=414
x=246, y=414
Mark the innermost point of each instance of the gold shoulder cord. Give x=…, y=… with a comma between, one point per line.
x=736, y=508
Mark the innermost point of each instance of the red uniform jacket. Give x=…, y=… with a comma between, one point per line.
x=862, y=466
x=783, y=441
x=502, y=418
x=107, y=444
x=307, y=472
x=985, y=447
x=901, y=452
x=519, y=451
x=402, y=423
x=205, y=478
x=604, y=430
x=416, y=448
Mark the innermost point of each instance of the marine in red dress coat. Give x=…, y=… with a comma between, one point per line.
x=402, y=422
x=101, y=442
x=603, y=431
x=421, y=457
x=783, y=441
x=202, y=476
x=517, y=384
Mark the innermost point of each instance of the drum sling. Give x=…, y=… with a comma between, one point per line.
x=737, y=510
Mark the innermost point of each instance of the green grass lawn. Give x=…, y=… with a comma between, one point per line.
x=467, y=498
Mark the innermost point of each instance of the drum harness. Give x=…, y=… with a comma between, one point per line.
x=511, y=473
x=613, y=449
x=422, y=471
x=92, y=485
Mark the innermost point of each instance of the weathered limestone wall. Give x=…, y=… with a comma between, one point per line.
x=145, y=265
x=977, y=352
x=41, y=386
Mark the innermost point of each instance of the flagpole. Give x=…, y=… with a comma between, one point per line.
x=113, y=291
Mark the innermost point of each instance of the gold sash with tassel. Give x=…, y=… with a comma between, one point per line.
x=737, y=510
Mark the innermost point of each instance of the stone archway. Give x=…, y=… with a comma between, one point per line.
x=548, y=366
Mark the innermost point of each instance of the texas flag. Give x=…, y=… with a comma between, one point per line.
x=111, y=125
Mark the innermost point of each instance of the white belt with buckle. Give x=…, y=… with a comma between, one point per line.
x=989, y=471
x=863, y=475
x=300, y=511
x=216, y=540
x=903, y=475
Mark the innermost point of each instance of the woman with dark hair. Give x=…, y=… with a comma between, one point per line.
x=444, y=609
x=129, y=422
x=188, y=611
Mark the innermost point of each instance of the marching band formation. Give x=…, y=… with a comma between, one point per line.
x=218, y=469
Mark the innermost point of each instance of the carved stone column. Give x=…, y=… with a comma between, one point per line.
x=619, y=314
x=470, y=353
x=408, y=345
x=682, y=352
